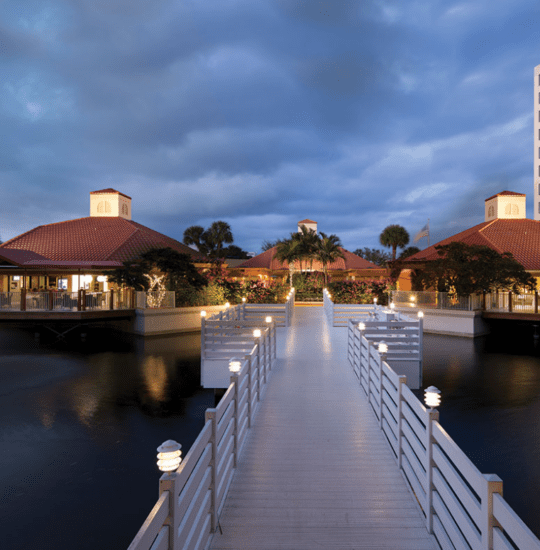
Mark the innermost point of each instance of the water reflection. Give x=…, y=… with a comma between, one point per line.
x=80, y=418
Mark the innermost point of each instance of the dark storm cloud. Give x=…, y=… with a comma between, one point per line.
x=356, y=114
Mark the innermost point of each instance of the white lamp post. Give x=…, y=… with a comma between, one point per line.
x=235, y=365
x=392, y=306
x=383, y=349
x=169, y=456
x=432, y=397
x=227, y=305
x=420, y=314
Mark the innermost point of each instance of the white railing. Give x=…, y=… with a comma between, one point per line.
x=463, y=508
x=191, y=499
x=338, y=315
x=155, y=299
x=436, y=300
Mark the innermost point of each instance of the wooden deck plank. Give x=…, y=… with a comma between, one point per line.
x=315, y=470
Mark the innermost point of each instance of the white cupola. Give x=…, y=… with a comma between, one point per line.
x=110, y=203
x=505, y=206
x=309, y=224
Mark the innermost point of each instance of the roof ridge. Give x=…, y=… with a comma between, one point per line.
x=481, y=230
x=134, y=232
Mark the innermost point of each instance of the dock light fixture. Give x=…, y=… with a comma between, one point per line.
x=203, y=313
x=257, y=333
x=169, y=456
x=432, y=397
x=420, y=314
x=383, y=347
x=392, y=306
x=362, y=326
x=244, y=299
x=235, y=365
x=227, y=305
x=268, y=319
x=375, y=301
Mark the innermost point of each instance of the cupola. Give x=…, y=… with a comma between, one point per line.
x=309, y=224
x=505, y=206
x=110, y=203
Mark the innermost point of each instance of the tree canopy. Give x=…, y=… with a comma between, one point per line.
x=467, y=269
x=373, y=255
x=394, y=236
x=177, y=267
x=209, y=241
x=409, y=251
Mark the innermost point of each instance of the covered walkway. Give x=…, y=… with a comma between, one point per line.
x=316, y=471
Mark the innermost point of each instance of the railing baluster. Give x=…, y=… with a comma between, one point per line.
x=211, y=415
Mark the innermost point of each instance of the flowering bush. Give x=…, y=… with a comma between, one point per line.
x=360, y=292
x=264, y=292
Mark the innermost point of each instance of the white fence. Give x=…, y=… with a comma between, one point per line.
x=338, y=315
x=463, y=508
x=191, y=499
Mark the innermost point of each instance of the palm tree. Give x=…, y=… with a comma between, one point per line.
x=194, y=235
x=307, y=240
x=394, y=236
x=217, y=234
x=328, y=251
x=288, y=251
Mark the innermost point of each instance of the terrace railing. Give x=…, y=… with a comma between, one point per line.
x=463, y=508
x=191, y=499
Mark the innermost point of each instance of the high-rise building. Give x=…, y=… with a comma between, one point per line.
x=536, y=178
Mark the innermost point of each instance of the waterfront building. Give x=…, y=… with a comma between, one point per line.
x=504, y=229
x=351, y=267
x=74, y=254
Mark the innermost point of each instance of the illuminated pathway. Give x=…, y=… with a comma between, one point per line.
x=316, y=470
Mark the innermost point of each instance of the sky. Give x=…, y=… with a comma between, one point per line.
x=261, y=113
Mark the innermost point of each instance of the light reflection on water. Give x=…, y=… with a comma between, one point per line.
x=79, y=427
x=491, y=407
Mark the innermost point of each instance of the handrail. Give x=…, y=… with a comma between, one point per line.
x=463, y=507
x=197, y=490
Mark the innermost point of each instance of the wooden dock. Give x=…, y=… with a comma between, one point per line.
x=316, y=471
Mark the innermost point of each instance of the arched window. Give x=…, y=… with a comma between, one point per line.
x=491, y=211
x=125, y=209
x=511, y=209
x=104, y=207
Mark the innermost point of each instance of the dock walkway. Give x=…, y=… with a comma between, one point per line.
x=316, y=470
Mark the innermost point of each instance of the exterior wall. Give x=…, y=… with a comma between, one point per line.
x=536, y=149
x=170, y=321
x=452, y=323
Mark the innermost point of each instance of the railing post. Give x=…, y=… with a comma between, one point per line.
x=492, y=484
x=168, y=482
x=510, y=301
x=235, y=379
x=23, y=299
x=432, y=415
x=382, y=359
x=536, y=301
x=210, y=415
x=370, y=344
x=484, y=300
x=249, y=411
x=51, y=303
x=402, y=380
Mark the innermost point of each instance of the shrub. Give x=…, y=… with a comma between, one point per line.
x=360, y=292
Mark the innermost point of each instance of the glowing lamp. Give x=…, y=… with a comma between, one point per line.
x=227, y=305
x=375, y=301
x=257, y=333
x=203, y=313
x=235, y=365
x=383, y=348
x=169, y=456
x=413, y=298
x=244, y=299
x=392, y=306
x=268, y=319
x=420, y=314
x=362, y=326
x=432, y=397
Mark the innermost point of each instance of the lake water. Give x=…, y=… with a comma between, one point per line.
x=80, y=423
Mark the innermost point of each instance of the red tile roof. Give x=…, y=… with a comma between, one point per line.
x=307, y=221
x=520, y=237
x=92, y=239
x=267, y=260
